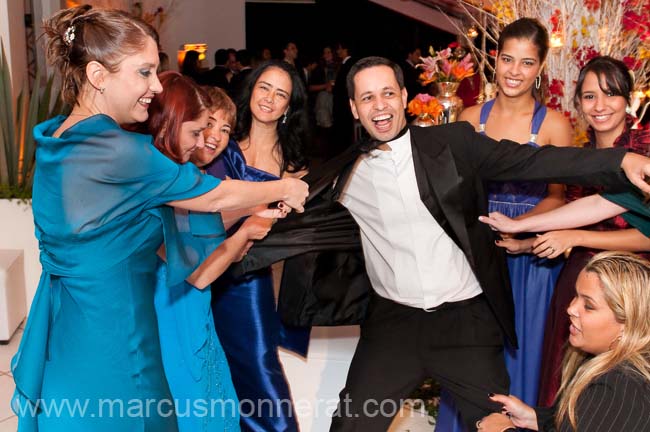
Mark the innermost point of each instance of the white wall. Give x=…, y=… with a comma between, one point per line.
x=12, y=32
x=220, y=24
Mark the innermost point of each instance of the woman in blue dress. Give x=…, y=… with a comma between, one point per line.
x=270, y=136
x=89, y=359
x=180, y=119
x=518, y=114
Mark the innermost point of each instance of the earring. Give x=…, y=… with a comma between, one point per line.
x=284, y=118
x=102, y=90
x=538, y=82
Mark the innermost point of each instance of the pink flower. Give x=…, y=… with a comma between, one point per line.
x=443, y=66
x=446, y=67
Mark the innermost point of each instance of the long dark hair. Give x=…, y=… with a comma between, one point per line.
x=613, y=77
x=531, y=30
x=292, y=133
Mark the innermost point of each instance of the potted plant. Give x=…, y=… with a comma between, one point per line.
x=17, y=147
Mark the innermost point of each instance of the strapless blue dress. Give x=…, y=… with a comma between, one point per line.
x=250, y=329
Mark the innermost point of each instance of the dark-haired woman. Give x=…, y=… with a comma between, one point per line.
x=91, y=341
x=270, y=138
x=602, y=94
x=518, y=114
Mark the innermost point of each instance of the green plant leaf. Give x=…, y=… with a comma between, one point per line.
x=17, y=122
x=28, y=144
x=6, y=119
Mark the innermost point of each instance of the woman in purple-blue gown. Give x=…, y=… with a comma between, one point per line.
x=269, y=140
x=518, y=114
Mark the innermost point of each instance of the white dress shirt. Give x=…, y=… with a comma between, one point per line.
x=409, y=257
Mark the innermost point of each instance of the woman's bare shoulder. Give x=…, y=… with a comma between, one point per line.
x=472, y=115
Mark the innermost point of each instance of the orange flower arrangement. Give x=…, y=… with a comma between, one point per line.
x=425, y=104
x=444, y=66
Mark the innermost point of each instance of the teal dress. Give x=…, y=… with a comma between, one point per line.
x=91, y=347
x=194, y=361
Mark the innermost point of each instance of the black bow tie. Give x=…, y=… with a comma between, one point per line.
x=367, y=143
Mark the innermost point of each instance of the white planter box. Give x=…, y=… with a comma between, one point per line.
x=17, y=232
x=12, y=292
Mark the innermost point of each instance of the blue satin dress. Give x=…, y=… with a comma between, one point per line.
x=194, y=361
x=250, y=329
x=532, y=279
x=91, y=344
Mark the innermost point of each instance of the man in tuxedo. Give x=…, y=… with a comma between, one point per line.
x=440, y=303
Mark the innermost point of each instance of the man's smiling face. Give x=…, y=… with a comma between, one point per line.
x=379, y=102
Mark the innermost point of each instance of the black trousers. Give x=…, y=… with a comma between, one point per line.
x=461, y=346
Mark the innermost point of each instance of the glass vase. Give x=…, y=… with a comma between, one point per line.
x=452, y=104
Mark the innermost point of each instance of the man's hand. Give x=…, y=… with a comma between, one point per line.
x=637, y=170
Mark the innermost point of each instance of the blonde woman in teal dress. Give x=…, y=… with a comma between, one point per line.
x=89, y=359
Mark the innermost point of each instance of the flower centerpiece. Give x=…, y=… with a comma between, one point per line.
x=447, y=68
x=426, y=108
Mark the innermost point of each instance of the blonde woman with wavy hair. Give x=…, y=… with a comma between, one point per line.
x=606, y=372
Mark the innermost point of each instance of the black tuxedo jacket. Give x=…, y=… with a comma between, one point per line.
x=325, y=282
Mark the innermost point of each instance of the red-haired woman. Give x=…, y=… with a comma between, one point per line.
x=194, y=362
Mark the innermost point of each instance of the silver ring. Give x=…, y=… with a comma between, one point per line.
x=552, y=249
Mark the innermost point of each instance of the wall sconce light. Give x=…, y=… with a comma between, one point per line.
x=201, y=48
x=472, y=32
x=557, y=40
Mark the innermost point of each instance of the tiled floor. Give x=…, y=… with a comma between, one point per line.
x=8, y=421
x=407, y=421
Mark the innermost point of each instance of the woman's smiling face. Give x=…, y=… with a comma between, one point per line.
x=216, y=136
x=191, y=136
x=271, y=95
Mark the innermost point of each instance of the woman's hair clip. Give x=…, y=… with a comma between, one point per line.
x=68, y=36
